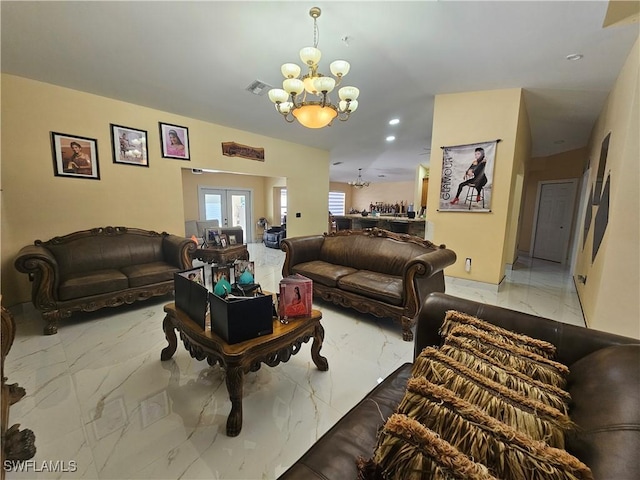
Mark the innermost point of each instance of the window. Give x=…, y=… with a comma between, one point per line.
x=336, y=203
x=283, y=206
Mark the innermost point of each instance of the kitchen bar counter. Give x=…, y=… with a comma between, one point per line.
x=412, y=226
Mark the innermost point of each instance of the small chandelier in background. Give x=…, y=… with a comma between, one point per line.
x=359, y=183
x=307, y=99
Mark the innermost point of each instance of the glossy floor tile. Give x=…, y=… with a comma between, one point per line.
x=102, y=403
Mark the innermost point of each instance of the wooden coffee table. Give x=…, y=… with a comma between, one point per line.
x=244, y=357
x=220, y=255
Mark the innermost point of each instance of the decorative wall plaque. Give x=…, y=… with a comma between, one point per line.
x=233, y=149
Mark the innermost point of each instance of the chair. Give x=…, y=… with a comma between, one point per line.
x=274, y=235
x=343, y=223
x=399, y=227
x=471, y=195
x=368, y=223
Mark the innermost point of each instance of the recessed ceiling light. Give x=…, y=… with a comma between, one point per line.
x=574, y=56
x=390, y=138
x=394, y=121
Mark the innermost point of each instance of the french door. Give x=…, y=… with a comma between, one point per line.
x=232, y=208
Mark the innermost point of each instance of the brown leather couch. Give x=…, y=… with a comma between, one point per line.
x=604, y=383
x=372, y=270
x=101, y=267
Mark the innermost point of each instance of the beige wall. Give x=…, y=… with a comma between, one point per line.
x=387, y=192
x=563, y=166
x=38, y=205
x=520, y=158
x=468, y=118
x=609, y=297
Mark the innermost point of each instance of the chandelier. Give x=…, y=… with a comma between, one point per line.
x=359, y=183
x=307, y=99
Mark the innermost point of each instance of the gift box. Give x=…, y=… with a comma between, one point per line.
x=237, y=319
x=192, y=298
x=296, y=297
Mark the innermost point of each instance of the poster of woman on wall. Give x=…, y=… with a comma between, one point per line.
x=467, y=177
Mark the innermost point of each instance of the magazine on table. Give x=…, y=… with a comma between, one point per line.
x=296, y=297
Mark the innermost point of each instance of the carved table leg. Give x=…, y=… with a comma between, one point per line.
x=235, y=379
x=318, y=337
x=170, y=335
x=14, y=392
x=19, y=444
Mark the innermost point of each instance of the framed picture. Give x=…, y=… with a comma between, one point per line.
x=75, y=156
x=244, y=271
x=220, y=272
x=224, y=240
x=129, y=146
x=212, y=237
x=174, y=141
x=195, y=274
x=232, y=240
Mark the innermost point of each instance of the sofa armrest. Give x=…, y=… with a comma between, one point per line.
x=420, y=279
x=300, y=250
x=572, y=342
x=41, y=266
x=177, y=251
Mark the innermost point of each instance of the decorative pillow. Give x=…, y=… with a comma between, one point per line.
x=536, y=366
x=509, y=377
x=407, y=450
x=538, y=420
x=454, y=318
x=505, y=451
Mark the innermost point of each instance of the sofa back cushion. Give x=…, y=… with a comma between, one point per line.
x=605, y=392
x=383, y=255
x=102, y=252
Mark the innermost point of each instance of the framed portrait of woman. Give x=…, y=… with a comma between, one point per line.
x=174, y=141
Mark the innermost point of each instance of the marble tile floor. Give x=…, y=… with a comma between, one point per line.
x=103, y=405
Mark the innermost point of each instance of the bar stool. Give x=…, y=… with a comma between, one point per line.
x=343, y=224
x=368, y=223
x=472, y=195
x=399, y=227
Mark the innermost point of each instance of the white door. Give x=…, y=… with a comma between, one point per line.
x=232, y=208
x=553, y=220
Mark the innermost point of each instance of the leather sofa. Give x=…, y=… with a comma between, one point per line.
x=273, y=236
x=604, y=383
x=373, y=271
x=101, y=267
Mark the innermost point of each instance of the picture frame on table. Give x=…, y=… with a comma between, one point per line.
x=129, y=146
x=218, y=272
x=232, y=240
x=174, y=141
x=224, y=240
x=195, y=274
x=212, y=237
x=75, y=156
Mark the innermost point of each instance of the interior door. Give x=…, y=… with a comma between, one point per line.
x=553, y=221
x=232, y=208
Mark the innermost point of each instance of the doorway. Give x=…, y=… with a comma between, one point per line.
x=231, y=207
x=554, y=217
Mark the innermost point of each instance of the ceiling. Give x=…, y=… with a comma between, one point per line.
x=197, y=58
